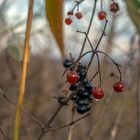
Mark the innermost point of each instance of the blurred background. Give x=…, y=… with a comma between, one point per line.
x=116, y=117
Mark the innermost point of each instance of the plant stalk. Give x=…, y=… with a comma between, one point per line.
x=23, y=72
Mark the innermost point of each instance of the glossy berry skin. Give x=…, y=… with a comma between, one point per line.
x=67, y=63
x=68, y=21
x=119, y=86
x=114, y=7
x=102, y=15
x=88, y=86
x=84, y=95
x=70, y=13
x=81, y=109
x=78, y=15
x=82, y=102
x=74, y=86
x=72, y=77
x=97, y=92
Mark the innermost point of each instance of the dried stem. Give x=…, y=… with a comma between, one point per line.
x=70, y=132
x=116, y=125
x=99, y=116
x=23, y=72
x=54, y=116
x=61, y=127
x=2, y=133
x=88, y=30
x=24, y=111
x=138, y=92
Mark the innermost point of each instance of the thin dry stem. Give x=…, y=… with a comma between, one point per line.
x=23, y=72
x=70, y=132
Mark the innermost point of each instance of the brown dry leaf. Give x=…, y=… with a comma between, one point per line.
x=54, y=11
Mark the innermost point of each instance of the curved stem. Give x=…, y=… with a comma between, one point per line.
x=99, y=69
x=116, y=64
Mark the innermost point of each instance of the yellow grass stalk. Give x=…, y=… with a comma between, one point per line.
x=23, y=72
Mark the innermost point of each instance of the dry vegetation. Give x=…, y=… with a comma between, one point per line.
x=113, y=118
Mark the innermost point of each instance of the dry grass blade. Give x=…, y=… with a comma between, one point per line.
x=23, y=72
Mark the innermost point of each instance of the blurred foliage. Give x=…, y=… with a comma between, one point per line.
x=54, y=11
x=15, y=47
x=133, y=7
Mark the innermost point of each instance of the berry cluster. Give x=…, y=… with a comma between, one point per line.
x=77, y=14
x=81, y=88
x=114, y=8
x=68, y=20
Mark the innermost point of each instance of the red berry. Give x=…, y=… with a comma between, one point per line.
x=79, y=15
x=68, y=21
x=97, y=92
x=70, y=13
x=114, y=7
x=102, y=15
x=72, y=77
x=119, y=86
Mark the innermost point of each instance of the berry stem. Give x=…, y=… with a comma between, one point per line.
x=89, y=26
x=99, y=69
x=77, y=4
x=101, y=5
x=103, y=33
x=115, y=63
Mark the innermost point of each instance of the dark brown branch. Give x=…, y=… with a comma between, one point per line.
x=61, y=127
x=89, y=26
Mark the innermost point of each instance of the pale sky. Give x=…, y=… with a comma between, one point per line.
x=18, y=11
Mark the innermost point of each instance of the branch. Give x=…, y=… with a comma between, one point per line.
x=61, y=127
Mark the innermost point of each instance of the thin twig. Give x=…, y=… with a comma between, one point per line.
x=100, y=116
x=70, y=132
x=89, y=26
x=2, y=133
x=24, y=111
x=61, y=127
x=54, y=116
x=116, y=125
x=138, y=92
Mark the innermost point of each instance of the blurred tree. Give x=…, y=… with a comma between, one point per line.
x=133, y=7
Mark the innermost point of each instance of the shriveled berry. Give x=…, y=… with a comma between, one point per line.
x=74, y=86
x=85, y=81
x=102, y=15
x=79, y=15
x=114, y=7
x=119, y=86
x=82, y=102
x=83, y=94
x=72, y=77
x=97, y=92
x=67, y=63
x=81, y=109
x=68, y=21
x=88, y=86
